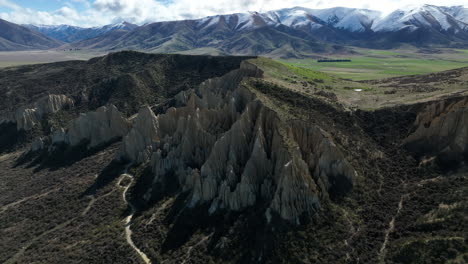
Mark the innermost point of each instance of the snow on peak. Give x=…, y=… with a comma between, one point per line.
x=350, y=19
x=339, y=17
x=422, y=16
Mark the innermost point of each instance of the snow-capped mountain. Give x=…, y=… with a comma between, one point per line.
x=68, y=33
x=292, y=31
x=458, y=12
x=349, y=19
x=237, y=22
x=424, y=16
x=15, y=37
x=59, y=32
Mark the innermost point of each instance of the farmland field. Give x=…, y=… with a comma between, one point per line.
x=369, y=64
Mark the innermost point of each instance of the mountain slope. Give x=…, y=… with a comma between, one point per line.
x=15, y=37
x=425, y=16
x=68, y=33
x=294, y=32
x=424, y=24
x=233, y=34
x=348, y=19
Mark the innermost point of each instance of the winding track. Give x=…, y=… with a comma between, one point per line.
x=128, y=219
x=391, y=227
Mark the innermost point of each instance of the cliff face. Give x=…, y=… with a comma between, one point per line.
x=441, y=131
x=137, y=145
x=95, y=128
x=222, y=145
x=27, y=117
x=98, y=127
x=227, y=149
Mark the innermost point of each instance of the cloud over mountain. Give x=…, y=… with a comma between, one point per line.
x=102, y=12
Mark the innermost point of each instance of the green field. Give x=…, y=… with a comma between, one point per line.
x=378, y=64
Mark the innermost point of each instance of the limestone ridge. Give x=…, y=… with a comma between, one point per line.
x=98, y=127
x=441, y=130
x=228, y=150
x=28, y=116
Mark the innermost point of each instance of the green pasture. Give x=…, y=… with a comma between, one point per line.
x=378, y=64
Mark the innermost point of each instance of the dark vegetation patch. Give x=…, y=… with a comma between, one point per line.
x=431, y=227
x=387, y=126
x=111, y=172
x=52, y=225
x=10, y=138
x=127, y=79
x=225, y=236
x=144, y=177
x=60, y=155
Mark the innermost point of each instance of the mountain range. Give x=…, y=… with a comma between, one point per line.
x=15, y=37
x=67, y=33
x=291, y=32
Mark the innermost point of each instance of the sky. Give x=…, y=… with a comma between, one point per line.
x=87, y=13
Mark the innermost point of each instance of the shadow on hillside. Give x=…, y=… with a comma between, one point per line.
x=10, y=138
x=112, y=171
x=60, y=156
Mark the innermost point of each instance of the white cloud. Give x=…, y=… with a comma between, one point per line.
x=8, y=4
x=100, y=12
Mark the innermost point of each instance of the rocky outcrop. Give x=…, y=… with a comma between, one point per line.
x=332, y=172
x=38, y=144
x=27, y=117
x=137, y=145
x=441, y=130
x=96, y=128
x=229, y=150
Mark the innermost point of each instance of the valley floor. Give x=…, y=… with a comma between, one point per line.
x=17, y=58
x=369, y=64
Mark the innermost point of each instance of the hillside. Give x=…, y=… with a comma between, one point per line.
x=229, y=160
x=296, y=32
x=69, y=34
x=14, y=37
x=127, y=79
x=182, y=36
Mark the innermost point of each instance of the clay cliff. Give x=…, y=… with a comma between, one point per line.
x=98, y=127
x=221, y=144
x=228, y=149
x=27, y=117
x=441, y=130
x=93, y=128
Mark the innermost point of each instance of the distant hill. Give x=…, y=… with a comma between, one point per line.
x=67, y=33
x=225, y=35
x=295, y=32
x=15, y=37
x=291, y=32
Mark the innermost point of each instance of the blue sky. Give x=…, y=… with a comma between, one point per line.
x=41, y=5
x=88, y=13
